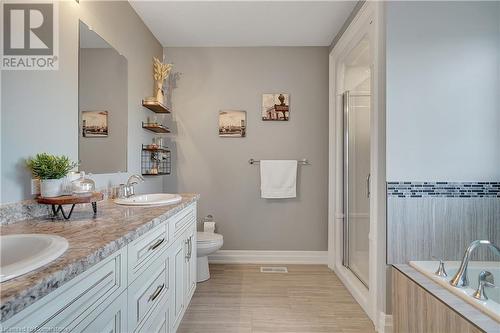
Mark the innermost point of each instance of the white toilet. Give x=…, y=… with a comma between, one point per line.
x=207, y=243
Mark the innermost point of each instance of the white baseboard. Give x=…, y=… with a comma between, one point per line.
x=268, y=257
x=384, y=323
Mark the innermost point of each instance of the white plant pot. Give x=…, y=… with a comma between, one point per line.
x=50, y=188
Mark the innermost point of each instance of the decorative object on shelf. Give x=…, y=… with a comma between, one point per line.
x=58, y=203
x=158, y=141
x=232, y=123
x=83, y=186
x=155, y=127
x=68, y=182
x=51, y=170
x=276, y=107
x=155, y=160
x=94, y=124
x=160, y=73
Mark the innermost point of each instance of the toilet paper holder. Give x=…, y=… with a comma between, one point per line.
x=208, y=223
x=208, y=218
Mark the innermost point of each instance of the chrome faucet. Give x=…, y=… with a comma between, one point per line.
x=128, y=189
x=486, y=279
x=460, y=279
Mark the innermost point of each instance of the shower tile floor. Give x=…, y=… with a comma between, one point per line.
x=239, y=298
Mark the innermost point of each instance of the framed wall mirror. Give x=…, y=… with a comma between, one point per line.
x=102, y=105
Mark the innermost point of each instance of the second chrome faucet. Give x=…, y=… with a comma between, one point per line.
x=128, y=189
x=461, y=279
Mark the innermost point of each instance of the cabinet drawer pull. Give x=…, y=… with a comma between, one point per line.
x=190, y=246
x=157, y=293
x=189, y=243
x=156, y=244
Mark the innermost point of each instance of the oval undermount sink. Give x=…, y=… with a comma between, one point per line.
x=157, y=199
x=23, y=253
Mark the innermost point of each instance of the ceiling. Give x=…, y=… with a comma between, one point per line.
x=244, y=23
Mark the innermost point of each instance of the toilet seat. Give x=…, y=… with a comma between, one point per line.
x=206, y=238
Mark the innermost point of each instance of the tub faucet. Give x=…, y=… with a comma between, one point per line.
x=486, y=279
x=128, y=189
x=460, y=279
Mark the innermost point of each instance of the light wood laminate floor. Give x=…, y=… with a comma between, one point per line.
x=238, y=298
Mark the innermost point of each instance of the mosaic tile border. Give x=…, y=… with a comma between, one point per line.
x=443, y=189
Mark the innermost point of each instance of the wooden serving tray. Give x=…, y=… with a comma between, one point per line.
x=58, y=202
x=71, y=199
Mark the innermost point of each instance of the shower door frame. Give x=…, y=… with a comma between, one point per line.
x=368, y=22
x=346, y=99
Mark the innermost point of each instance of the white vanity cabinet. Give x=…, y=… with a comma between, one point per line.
x=190, y=263
x=78, y=300
x=144, y=287
x=183, y=276
x=108, y=318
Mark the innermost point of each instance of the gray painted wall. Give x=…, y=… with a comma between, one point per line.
x=40, y=108
x=213, y=79
x=443, y=84
x=103, y=87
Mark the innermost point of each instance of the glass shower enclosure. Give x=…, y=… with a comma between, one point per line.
x=356, y=178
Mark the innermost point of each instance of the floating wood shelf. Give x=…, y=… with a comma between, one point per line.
x=155, y=148
x=154, y=127
x=156, y=174
x=155, y=106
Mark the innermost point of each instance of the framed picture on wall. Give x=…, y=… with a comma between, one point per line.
x=232, y=123
x=94, y=124
x=275, y=107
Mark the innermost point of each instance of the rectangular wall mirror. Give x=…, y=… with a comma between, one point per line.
x=102, y=105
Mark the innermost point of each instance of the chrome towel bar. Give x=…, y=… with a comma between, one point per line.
x=303, y=161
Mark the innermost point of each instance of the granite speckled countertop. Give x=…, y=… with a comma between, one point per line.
x=91, y=239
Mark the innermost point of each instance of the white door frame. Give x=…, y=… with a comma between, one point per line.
x=367, y=22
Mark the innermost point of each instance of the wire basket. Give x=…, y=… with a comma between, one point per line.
x=155, y=161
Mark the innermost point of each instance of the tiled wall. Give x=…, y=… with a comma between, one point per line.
x=439, y=219
x=443, y=189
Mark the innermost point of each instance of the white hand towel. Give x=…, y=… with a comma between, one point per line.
x=278, y=179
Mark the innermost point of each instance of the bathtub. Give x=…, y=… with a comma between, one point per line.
x=491, y=307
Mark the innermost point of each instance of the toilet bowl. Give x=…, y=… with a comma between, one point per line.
x=207, y=243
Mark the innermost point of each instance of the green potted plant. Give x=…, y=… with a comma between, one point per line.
x=51, y=170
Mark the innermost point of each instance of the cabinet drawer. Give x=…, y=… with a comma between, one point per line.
x=159, y=319
x=145, y=249
x=147, y=290
x=182, y=219
x=76, y=299
x=107, y=318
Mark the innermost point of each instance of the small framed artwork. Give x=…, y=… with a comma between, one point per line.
x=276, y=107
x=232, y=123
x=95, y=124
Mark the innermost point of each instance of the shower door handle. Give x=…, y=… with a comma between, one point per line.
x=368, y=186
